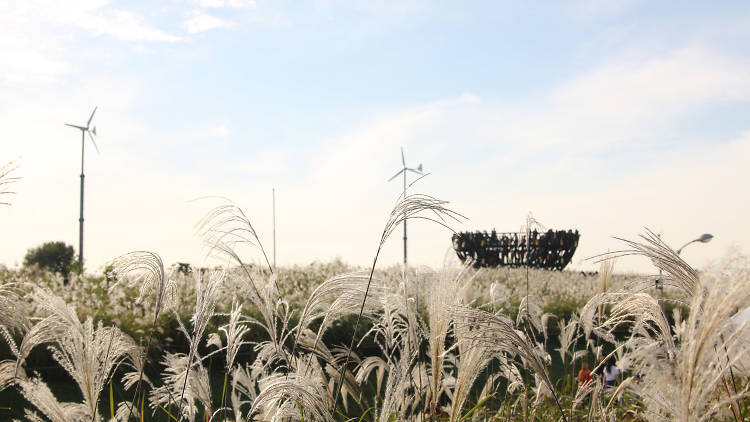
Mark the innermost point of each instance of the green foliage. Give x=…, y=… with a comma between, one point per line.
x=56, y=257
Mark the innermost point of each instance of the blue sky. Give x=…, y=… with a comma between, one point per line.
x=602, y=116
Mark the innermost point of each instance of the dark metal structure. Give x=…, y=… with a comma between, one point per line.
x=551, y=250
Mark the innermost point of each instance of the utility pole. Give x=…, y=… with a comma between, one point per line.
x=273, y=200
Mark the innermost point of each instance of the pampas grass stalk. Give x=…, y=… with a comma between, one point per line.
x=413, y=206
x=710, y=343
x=147, y=269
x=6, y=180
x=498, y=333
x=204, y=310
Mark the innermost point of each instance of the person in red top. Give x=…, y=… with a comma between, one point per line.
x=584, y=375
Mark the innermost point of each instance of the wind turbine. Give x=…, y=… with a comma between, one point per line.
x=403, y=170
x=84, y=130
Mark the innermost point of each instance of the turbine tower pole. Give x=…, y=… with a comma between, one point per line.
x=403, y=170
x=404, y=221
x=80, y=219
x=91, y=131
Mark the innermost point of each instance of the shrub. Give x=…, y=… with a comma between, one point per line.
x=53, y=256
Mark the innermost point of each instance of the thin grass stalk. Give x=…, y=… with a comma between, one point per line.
x=223, y=391
x=354, y=333
x=140, y=375
x=203, y=311
x=109, y=347
x=408, y=207
x=153, y=265
x=6, y=180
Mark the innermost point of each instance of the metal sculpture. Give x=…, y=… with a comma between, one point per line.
x=551, y=250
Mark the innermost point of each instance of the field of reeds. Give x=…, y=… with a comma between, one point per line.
x=327, y=342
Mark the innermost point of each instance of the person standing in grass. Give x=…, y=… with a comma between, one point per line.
x=584, y=375
x=610, y=373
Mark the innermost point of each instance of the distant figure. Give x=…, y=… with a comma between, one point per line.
x=584, y=375
x=610, y=373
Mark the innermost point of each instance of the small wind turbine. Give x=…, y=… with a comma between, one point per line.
x=403, y=170
x=84, y=130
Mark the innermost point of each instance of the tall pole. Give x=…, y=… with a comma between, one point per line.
x=80, y=219
x=403, y=170
x=404, y=222
x=273, y=198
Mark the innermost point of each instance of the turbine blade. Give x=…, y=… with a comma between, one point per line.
x=403, y=160
x=415, y=171
x=75, y=126
x=94, y=142
x=397, y=174
x=92, y=116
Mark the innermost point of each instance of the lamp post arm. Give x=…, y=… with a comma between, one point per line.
x=683, y=246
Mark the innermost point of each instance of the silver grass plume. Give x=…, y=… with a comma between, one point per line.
x=88, y=353
x=473, y=357
x=331, y=358
x=499, y=334
x=338, y=296
x=90, y=356
x=147, y=270
x=244, y=384
x=369, y=365
x=606, y=269
x=205, y=304
x=712, y=344
x=189, y=386
x=414, y=206
x=530, y=310
x=275, y=312
x=13, y=312
x=60, y=318
x=677, y=273
x=290, y=396
x=37, y=393
x=640, y=309
x=396, y=397
x=6, y=180
x=691, y=379
x=445, y=294
x=224, y=228
x=10, y=373
x=234, y=331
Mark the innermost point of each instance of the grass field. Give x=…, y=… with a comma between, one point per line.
x=331, y=342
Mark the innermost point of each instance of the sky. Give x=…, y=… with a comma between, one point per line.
x=605, y=117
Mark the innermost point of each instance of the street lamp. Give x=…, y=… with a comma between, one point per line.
x=705, y=238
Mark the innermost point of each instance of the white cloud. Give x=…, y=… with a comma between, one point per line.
x=628, y=97
x=217, y=131
x=236, y=4
x=94, y=16
x=124, y=26
x=39, y=38
x=201, y=21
